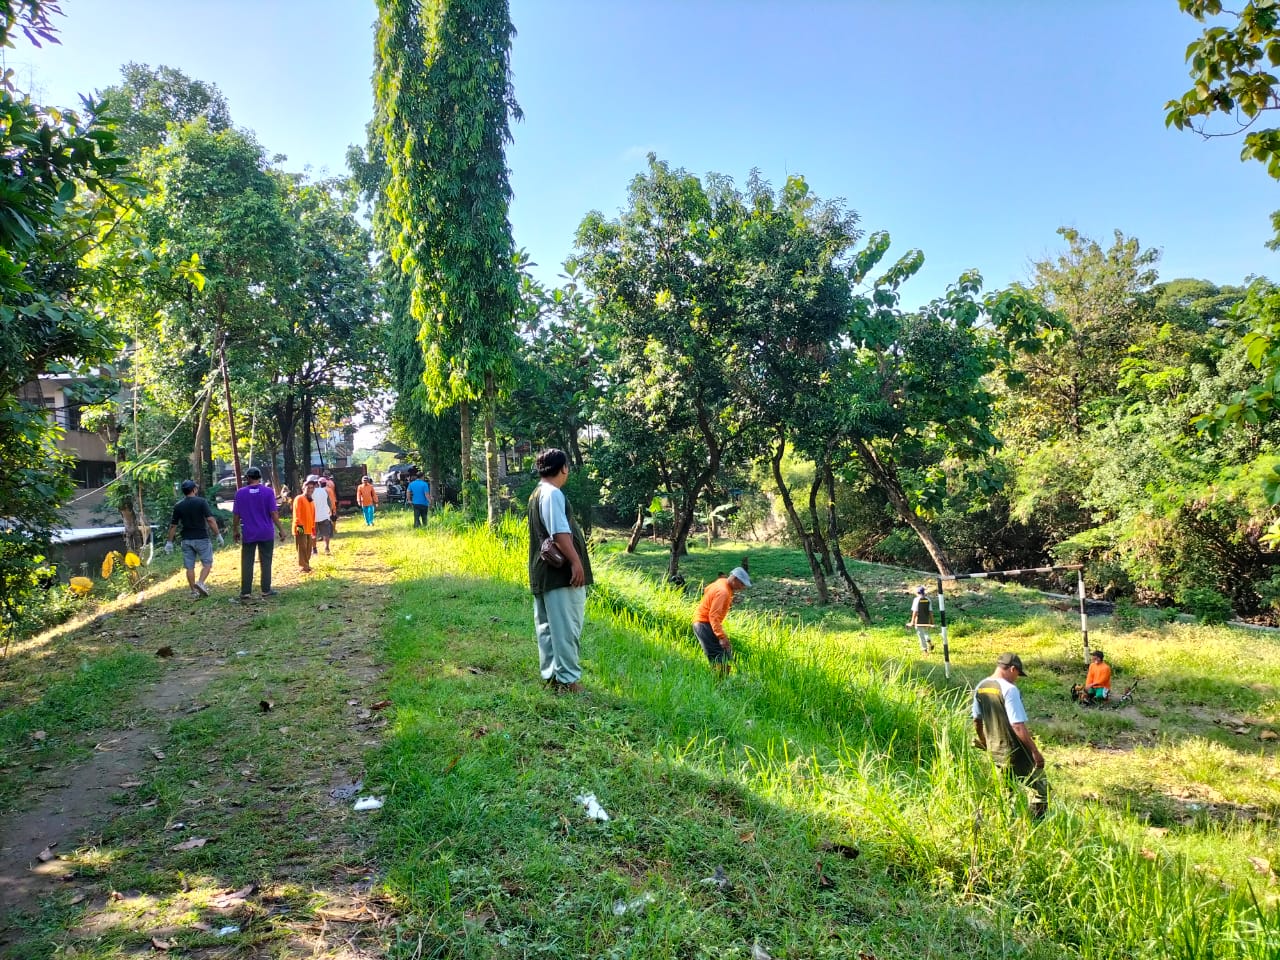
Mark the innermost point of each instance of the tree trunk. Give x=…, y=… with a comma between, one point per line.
x=287, y=423
x=833, y=538
x=819, y=578
x=490, y=453
x=886, y=478
x=306, y=435
x=197, y=453
x=210, y=474
x=819, y=543
x=637, y=531
x=133, y=522
x=468, y=474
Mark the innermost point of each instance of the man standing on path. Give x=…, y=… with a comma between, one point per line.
x=921, y=618
x=708, y=621
x=304, y=525
x=253, y=514
x=324, y=516
x=367, y=499
x=192, y=515
x=1001, y=724
x=559, y=593
x=419, y=492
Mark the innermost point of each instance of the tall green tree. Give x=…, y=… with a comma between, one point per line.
x=661, y=275
x=444, y=104
x=149, y=104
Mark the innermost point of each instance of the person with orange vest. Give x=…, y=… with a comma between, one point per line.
x=367, y=499
x=708, y=621
x=304, y=525
x=1097, y=682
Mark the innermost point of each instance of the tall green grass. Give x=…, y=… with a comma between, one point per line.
x=811, y=739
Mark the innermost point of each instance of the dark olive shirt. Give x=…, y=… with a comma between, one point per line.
x=542, y=576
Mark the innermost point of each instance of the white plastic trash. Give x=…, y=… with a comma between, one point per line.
x=593, y=808
x=368, y=803
x=623, y=907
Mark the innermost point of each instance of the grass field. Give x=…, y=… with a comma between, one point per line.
x=822, y=802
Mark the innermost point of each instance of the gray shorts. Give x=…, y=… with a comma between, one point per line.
x=711, y=645
x=324, y=529
x=193, y=550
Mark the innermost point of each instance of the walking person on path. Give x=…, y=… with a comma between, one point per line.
x=253, y=515
x=419, y=493
x=367, y=499
x=708, y=620
x=325, y=513
x=1001, y=724
x=559, y=593
x=304, y=525
x=193, y=517
x=922, y=618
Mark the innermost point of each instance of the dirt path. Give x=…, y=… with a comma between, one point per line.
x=225, y=654
x=56, y=819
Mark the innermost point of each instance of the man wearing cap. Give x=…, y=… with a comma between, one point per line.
x=708, y=621
x=921, y=618
x=1001, y=724
x=192, y=515
x=367, y=499
x=324, y=515
x=253, y=514
x=1097, y=682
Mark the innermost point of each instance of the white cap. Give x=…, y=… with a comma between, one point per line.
x=311, y=478
x=741, y=576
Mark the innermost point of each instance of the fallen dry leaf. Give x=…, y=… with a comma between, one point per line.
x=201, y=926
x=380, y=705
x=130, y=784
x=1261, y=864
x=232, y=898
x=158, y=754
x=165, y=651
x=748, y=837
x=194, y=843
x=38, y=735
x=1147, y=854
x=163, y=944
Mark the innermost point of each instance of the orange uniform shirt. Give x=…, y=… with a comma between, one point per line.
x=716, y=601
x=1099, y=675
x=366, y=496
x=304, y=515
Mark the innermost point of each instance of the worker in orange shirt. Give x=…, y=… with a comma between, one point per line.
x=304, y=524
x=1097, y=682
x=708, y=621
x=367, y=499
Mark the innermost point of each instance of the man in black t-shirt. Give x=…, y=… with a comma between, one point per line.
x=192, y=515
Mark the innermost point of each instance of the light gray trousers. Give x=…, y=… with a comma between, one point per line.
x=557, y=621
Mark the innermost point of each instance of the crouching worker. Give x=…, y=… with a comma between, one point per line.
x=1001, y=724
x=1097, y=682
x=708, y=621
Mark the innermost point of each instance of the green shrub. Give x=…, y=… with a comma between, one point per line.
x=1205, y=604
x=1126, y=616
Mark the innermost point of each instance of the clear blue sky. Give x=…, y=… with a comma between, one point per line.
x=971, y=129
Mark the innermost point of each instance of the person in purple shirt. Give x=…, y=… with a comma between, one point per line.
x=253, y=515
